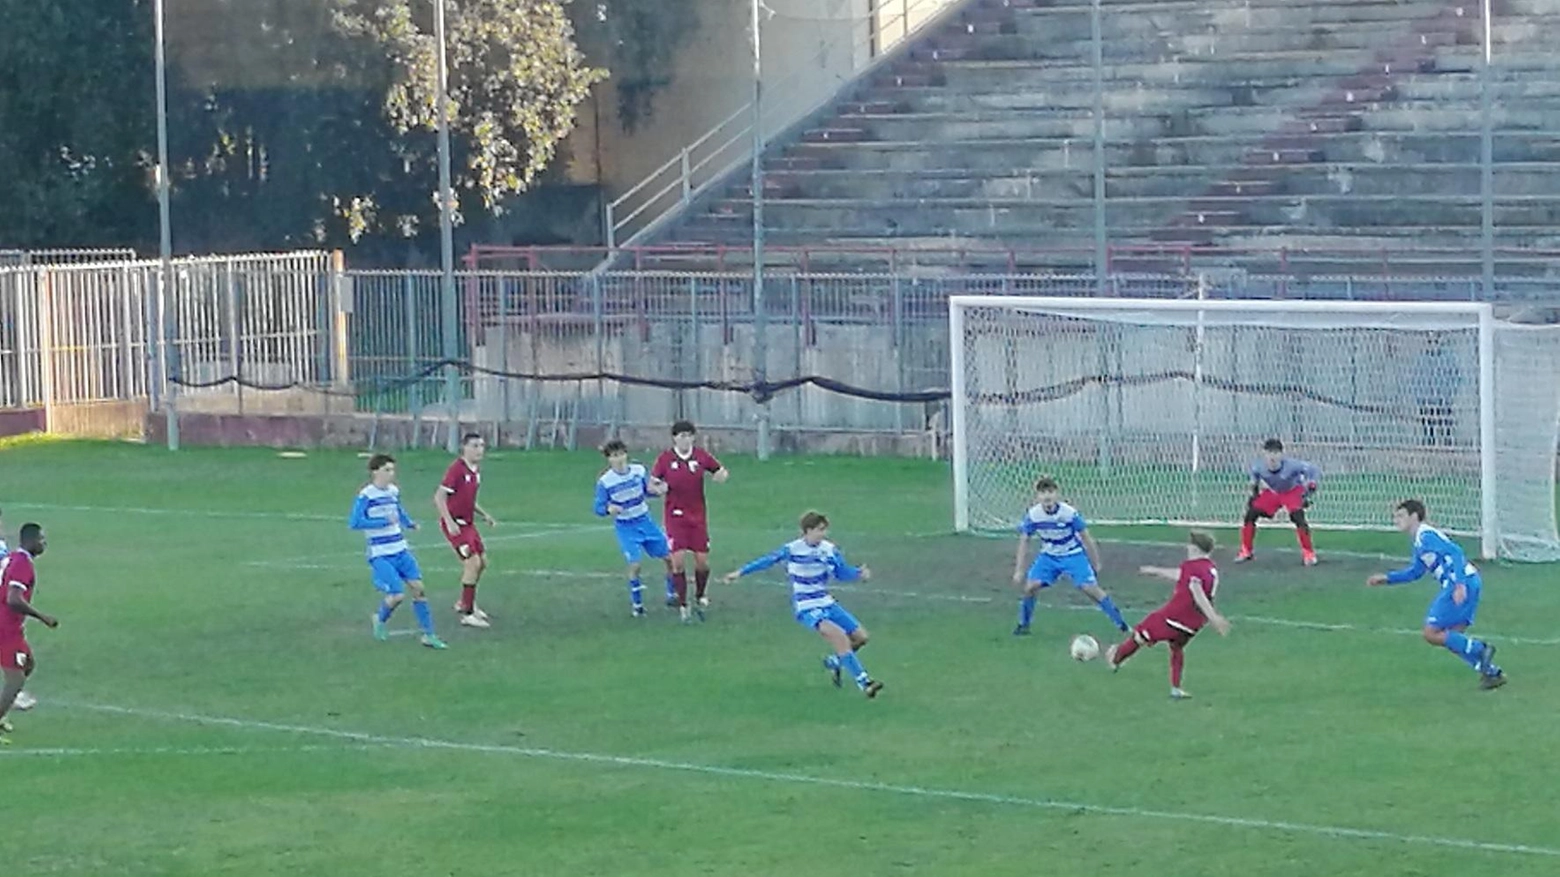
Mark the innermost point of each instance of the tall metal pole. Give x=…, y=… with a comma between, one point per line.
x=447, y=302
x=1487, y=159
x=760, y=322
x=1097, y=45
x=166, y=353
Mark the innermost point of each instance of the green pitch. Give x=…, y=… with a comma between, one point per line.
x=213, y=704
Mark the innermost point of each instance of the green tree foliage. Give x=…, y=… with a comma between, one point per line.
x=76, y=123
x=516, y=78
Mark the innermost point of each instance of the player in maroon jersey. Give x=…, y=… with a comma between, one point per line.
x=18, y=580
x=683, y=467
x=1190, y=607
x=456, y=500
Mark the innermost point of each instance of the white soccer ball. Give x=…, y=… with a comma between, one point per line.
x=1085, y=648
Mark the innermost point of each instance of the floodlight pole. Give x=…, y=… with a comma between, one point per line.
x=164, y=333
x=448, y=306
x=1487, y=159
x=760, y=320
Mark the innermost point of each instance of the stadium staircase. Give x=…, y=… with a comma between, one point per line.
x=1270, y=135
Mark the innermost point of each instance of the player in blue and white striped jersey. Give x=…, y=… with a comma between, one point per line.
x=810, y=563
x=623, y=494
x=1066, y=549
x=1453, y=609
x=378, y=513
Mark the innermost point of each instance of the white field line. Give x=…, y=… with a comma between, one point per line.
x=183, y=751
x=912, y=791
x=850, y=590
x=514, y=533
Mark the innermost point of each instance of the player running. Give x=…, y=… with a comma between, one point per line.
x=810, y=562
x=456, y=500
x=1189, y=607
x=24, y=701
x=18, y=580
x=1066, y=548
x=1452, y=611
x=1279, y=482
x=683, y=468
x=379, y=514
x=623, y=494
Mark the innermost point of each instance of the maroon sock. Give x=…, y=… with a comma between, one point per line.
x=468, y=598
x=680, y=587
x=1125, y=650
x=701, y=580
x=1177, y=661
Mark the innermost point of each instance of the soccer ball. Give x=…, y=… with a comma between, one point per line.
x=1085, y=648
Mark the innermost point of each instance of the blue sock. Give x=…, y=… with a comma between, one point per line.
x=1108, y=607
x=671, y=587
x=1465, y=647
x=852, y=665
x=832, y=662
x=1026, y=610
x=385, y=611
x=636, y=593
x=424, y=616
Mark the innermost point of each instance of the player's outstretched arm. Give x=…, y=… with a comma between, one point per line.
x=1160, y=572
x=1411, y=573
x=759, y=564
x=844, y=572
x=360, y=519
x=1205, y=606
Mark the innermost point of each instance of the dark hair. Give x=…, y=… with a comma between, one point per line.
x=1273, y=446
x=615, y=446
x=470, y=437
x=1047, y=482
x=1413, y=507
x=1202, y=539
x=683, y=427
x=814, y=520
x=29, y=534
x=379, y=461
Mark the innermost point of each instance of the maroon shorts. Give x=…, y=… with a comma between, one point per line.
x=467, y=543
x=1268, y=502
x=1166, y=626
x=685, y=534
x=15, y=654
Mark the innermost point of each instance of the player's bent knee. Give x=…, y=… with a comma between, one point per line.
x=415, y=589
x=1435, y=636
x=859, y=637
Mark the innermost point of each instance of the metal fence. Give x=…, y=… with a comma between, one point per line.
x=297, y=335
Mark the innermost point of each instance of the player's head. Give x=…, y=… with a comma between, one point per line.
x=815, y=526
x=616, y=453
x=1408, y=515
x=32, y=539
x=1199, y=543
x=381, y=470
x=1273, y=453
x=472, y=447
x=683, y=434
x=1047, y=491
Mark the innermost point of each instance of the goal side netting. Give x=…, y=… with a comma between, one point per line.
x=1153, y=411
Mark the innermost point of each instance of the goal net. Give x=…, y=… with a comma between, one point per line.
x=1153, y=411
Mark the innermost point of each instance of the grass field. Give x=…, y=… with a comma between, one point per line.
x=213, y=704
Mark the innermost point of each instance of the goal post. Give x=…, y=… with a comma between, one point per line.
x=1151, y=411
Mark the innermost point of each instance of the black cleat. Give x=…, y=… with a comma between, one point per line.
x=872, y=689
x=1021, y=630
x=833, y=668
x=1492, y=682
x=671, y=601
x=1487, y=660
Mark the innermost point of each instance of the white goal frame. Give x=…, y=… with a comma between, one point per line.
x=1480, y=313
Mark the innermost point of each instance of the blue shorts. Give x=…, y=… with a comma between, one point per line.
x=1443, y=614
x=393, y=571
x=1048, y=568
x=639, y=538
x=811, y=618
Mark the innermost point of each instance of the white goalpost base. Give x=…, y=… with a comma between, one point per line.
x=1151, y=411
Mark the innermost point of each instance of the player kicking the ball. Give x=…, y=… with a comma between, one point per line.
x=1066, y=549
x=810, y=562
x=456, y=500
x=1190, y=606
x=683, y=469
x=18, y=580
x=1452, y=611
x=623, y=494
x=1279, y=482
